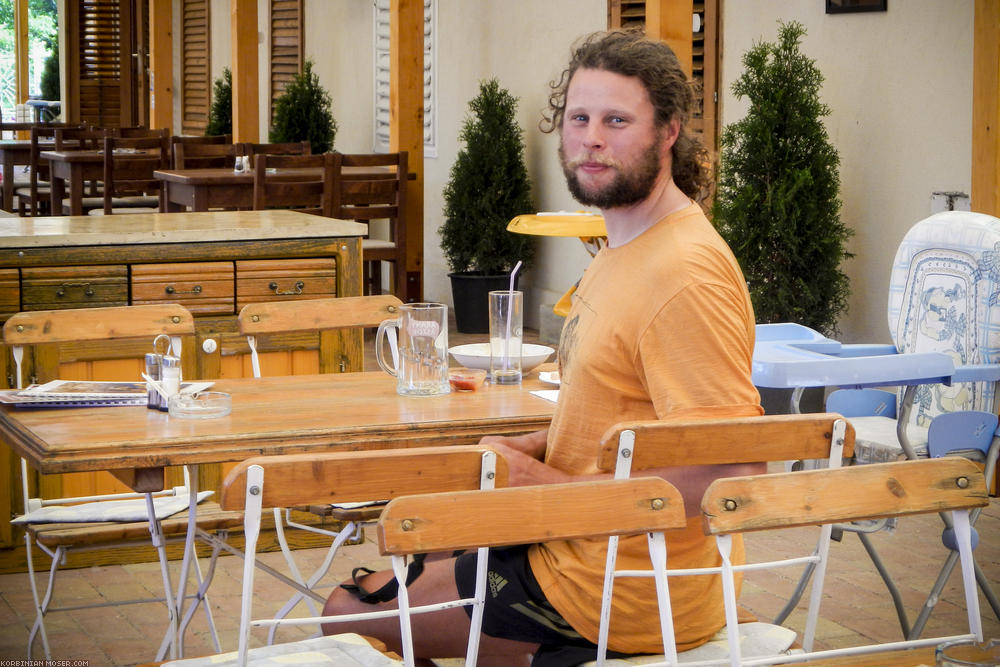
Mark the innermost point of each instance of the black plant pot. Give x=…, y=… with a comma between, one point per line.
x=470, y=292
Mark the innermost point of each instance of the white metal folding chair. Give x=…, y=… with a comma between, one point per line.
x=298, y=479
x=635, y=446
x=821, y=497
x=91, y=527
x=322, y=317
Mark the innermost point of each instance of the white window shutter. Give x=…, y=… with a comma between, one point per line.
x=382, y=67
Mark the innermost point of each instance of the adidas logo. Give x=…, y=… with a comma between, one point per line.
x=496, y=583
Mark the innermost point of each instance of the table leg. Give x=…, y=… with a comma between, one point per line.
x=58, y=191
x=8, y=181
x=76, y=190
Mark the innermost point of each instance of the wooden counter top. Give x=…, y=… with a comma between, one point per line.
x=143, y=228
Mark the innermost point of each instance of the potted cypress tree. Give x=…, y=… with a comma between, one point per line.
x=220, y=116
x=777, y=203
x=488, y=186
x=302, y=113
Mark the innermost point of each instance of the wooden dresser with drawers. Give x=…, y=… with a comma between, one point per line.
x=212, y=263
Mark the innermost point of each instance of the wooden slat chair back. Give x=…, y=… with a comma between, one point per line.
x=83, y=138
x=217, y=155
x=821, y=497
x=276, y=317
x=284, y=188
x=327, y=318
x=631, y=447
x=34, y=198
x=129, y=164
x=39, y=328
x=376, y=197
x=288, y=148
x=274, y=482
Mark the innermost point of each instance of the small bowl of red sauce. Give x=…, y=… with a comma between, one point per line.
x=465, y=379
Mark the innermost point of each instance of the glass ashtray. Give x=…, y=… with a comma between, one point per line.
x=968, y=653
x=202, y=405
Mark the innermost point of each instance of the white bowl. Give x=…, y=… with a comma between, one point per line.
x=477, y=355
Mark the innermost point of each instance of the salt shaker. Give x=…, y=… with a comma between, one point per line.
x=170, y=379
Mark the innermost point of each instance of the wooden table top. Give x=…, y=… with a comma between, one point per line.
x=225, y=176
x=277, y=415
x=142, y=228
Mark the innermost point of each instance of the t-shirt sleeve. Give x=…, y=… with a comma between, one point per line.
x=696, y=353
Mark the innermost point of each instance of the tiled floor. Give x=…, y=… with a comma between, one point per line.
x=856, y=608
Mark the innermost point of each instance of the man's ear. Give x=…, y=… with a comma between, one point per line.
x=669, y=133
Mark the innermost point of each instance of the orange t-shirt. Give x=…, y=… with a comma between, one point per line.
x=661, y=328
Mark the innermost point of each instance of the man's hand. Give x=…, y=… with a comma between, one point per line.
x=524, y=455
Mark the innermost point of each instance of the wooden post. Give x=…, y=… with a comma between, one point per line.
x=246, y=113
x=670, y=21
x=406, y=125
x=986, y=108
x=161, y=58
x=21, y=55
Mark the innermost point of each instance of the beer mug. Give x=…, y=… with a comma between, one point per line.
x=421, y=367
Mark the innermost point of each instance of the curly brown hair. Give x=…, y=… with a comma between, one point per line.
x=632, y=53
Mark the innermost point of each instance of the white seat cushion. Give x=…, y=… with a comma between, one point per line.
x=346, y=650
x=120, y=511
x=757, y=640
x=876, y=440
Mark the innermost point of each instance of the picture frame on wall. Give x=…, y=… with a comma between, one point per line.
x=849, y=6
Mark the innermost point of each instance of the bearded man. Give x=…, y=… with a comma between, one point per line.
x=661, y=328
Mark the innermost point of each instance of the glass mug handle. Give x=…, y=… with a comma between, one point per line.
x=387, y=329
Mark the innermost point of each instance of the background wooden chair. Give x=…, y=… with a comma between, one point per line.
x=46, y=329
x=217, y=155
x=129, y=183
x=329, y=318
x=276, y=185
x=821, y=497
x=85, y=139
x=289, y=148
x=370, y=197
x=34, y=199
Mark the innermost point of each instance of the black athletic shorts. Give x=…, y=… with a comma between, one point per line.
x=517, y=609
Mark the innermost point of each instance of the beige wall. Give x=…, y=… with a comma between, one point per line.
x=899, y=86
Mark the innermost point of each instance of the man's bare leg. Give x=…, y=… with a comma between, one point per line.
x=439, y=634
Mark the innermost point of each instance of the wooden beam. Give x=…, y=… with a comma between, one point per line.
x=986, y=108
x=21, y=54
x=246, y=111
x=406, y=124
x=161, y=64
x=670, y=21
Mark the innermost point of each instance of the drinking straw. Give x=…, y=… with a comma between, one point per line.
x=510, y=315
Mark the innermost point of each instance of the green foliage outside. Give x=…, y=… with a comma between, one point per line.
x=42, y=32
x=220, y=116
x=49, y=83
x=303, y=113
x=488, y=187
x=777, y=203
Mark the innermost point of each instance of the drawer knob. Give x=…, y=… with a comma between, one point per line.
x=297, y=290
x=87, y=289
x=170, y=289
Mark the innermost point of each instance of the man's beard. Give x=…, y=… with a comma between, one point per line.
x=627, y=188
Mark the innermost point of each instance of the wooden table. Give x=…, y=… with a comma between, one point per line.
x=277, y=415
x=204, y=189
x=74, y=167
